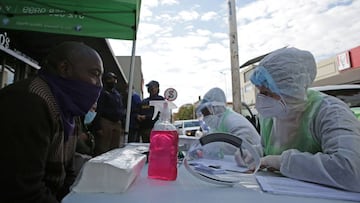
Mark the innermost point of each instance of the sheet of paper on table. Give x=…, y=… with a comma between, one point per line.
x=218, y=165
x=288, y=186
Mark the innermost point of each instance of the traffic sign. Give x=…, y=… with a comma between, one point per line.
x=170, y=94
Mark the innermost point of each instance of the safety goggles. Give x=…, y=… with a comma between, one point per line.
x=214, y=158
x=207, y=108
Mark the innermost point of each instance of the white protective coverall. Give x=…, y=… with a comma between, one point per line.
x=333, y=127
x=228, y=121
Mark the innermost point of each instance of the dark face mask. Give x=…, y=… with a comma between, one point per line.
x=74, y=97
x=152, y=91
x=109, y=85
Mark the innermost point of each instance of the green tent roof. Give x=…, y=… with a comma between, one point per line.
x=116, y=19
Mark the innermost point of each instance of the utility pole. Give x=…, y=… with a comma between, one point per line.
x=224, y=74
x=234, y=54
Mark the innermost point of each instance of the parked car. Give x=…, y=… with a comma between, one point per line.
x=188, y=127
x=350, y=94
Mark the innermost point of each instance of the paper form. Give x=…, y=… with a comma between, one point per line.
x=288, y=186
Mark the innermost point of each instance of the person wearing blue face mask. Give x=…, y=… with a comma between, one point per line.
x=90, y=115
x=86, y=141
x=39, y=127
x=307, y=135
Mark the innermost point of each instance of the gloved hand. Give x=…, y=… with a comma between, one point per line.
x=271, y=162
x=245, y=159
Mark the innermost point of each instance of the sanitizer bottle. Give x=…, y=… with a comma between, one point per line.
x=164, y=141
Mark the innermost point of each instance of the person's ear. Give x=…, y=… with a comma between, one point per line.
x=63, y=68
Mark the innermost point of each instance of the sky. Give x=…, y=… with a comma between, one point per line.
x=184, y=44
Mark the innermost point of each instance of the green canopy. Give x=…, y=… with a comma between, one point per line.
x=116, y=19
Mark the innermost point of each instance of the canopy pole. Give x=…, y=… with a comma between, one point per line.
x=130, y=91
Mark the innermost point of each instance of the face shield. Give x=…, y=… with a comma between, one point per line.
x=209, y=108
x=210, y=113
x=222, y=158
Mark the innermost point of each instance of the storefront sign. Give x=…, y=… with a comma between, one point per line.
x=343, y=61
x=4, y=40
x=5, y=46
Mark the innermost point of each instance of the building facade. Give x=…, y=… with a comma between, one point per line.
x=14, y=63
x=138, y=83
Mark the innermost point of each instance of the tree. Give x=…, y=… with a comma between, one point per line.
x=185, y=112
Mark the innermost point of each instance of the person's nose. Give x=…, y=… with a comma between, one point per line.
x=99, y=82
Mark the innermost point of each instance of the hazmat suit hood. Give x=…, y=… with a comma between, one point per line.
x=214, y=99
x=287, y=72
x=212, y=107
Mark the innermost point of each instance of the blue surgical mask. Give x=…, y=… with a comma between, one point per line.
x=89, y=117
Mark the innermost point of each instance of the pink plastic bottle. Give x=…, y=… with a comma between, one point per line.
x=164, y=141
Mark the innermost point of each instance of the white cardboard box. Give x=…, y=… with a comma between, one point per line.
x=111, y=172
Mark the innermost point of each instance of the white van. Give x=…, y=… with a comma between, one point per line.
x=348, y=93
x=188, y=127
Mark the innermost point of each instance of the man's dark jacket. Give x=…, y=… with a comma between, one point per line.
x=148, y=111
x=37, y=165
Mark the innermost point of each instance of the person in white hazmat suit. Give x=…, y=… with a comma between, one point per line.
x=306, y=135
x=212, y=109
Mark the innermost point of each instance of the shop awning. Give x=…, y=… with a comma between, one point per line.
x=116, y=19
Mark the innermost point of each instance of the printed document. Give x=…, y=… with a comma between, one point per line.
x=288, y=186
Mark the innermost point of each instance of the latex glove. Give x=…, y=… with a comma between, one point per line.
x=244, y=160
x=271, y=162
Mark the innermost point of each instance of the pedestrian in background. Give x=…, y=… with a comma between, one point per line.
x=146, y=111
x=110, y=115
x=86, y=141
x=134, y=123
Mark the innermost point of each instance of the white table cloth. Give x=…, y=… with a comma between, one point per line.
x=187, y=189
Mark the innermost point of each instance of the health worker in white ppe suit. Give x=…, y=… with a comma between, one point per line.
x=306, y=135
x=212, y=109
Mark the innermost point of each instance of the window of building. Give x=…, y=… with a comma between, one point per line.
x=248, y=74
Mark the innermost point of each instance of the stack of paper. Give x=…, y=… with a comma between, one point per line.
x=288, y=186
